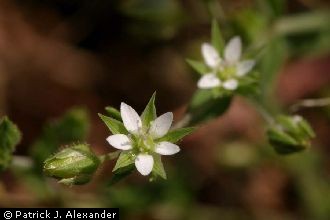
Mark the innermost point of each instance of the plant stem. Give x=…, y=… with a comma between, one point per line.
x=262, y=109
x=109, y=156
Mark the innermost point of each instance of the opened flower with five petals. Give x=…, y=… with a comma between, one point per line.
x=226, y=72
x=143, y=139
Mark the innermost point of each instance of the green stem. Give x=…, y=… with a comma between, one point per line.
x=109, y=156
x=267, y=116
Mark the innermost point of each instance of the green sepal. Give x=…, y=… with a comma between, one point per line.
x=306, y=128
x=77, y=180
x=120, y=174
x=125, y=158
x=176, y=135
x=115, y=126
x=278, y=136
x=216, y=37
x=158, y=168
x=149, y=113
x=113, y=112
x=198, y=66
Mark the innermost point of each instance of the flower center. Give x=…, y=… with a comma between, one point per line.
x=145, y=143
x=226, y=72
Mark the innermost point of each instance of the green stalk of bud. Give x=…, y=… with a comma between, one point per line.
x=290, y=134
x=74, y=165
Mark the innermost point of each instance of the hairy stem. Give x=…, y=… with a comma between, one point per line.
x=109, y=156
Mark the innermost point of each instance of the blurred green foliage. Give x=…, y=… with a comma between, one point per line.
x=150, y=19
x=71, y=127
x=10, y=136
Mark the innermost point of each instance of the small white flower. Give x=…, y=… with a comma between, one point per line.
x=224, y=72
x=145, y=138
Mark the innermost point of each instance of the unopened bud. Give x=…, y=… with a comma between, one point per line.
x=74, y=165
x=290, y=134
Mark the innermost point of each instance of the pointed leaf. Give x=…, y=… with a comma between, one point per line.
x=10, y=136
x=115, y=126
x=198, y=66
x=177, y=134
x=113, y=112
x=149, y=113
x=216, y=37
x=125, y=159
x=158, y=168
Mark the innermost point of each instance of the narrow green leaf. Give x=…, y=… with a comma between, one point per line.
x=149, y=113
x=125, y=158
x=176, y=135
x=158, y=168
x=113, y=112
x=10, y=136
x=115, y=126
x=216, y=36
x=198, y=66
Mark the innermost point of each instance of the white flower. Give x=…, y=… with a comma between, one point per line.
x=224, y=72
x=143, y=138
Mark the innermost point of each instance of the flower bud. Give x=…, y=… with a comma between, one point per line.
x=74, y=165
x=290, y=134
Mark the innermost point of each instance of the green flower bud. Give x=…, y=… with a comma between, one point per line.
x=74, y=165
x=290, y=134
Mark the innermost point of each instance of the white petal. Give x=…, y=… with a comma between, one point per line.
x=211, y=55
x=144, y=163
x=167, y=148
x=131, y=119
x=233, y=50
x=245, y=67
x=161, y=125
x=120, y=141
x=230, y=84
x=208, y=81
